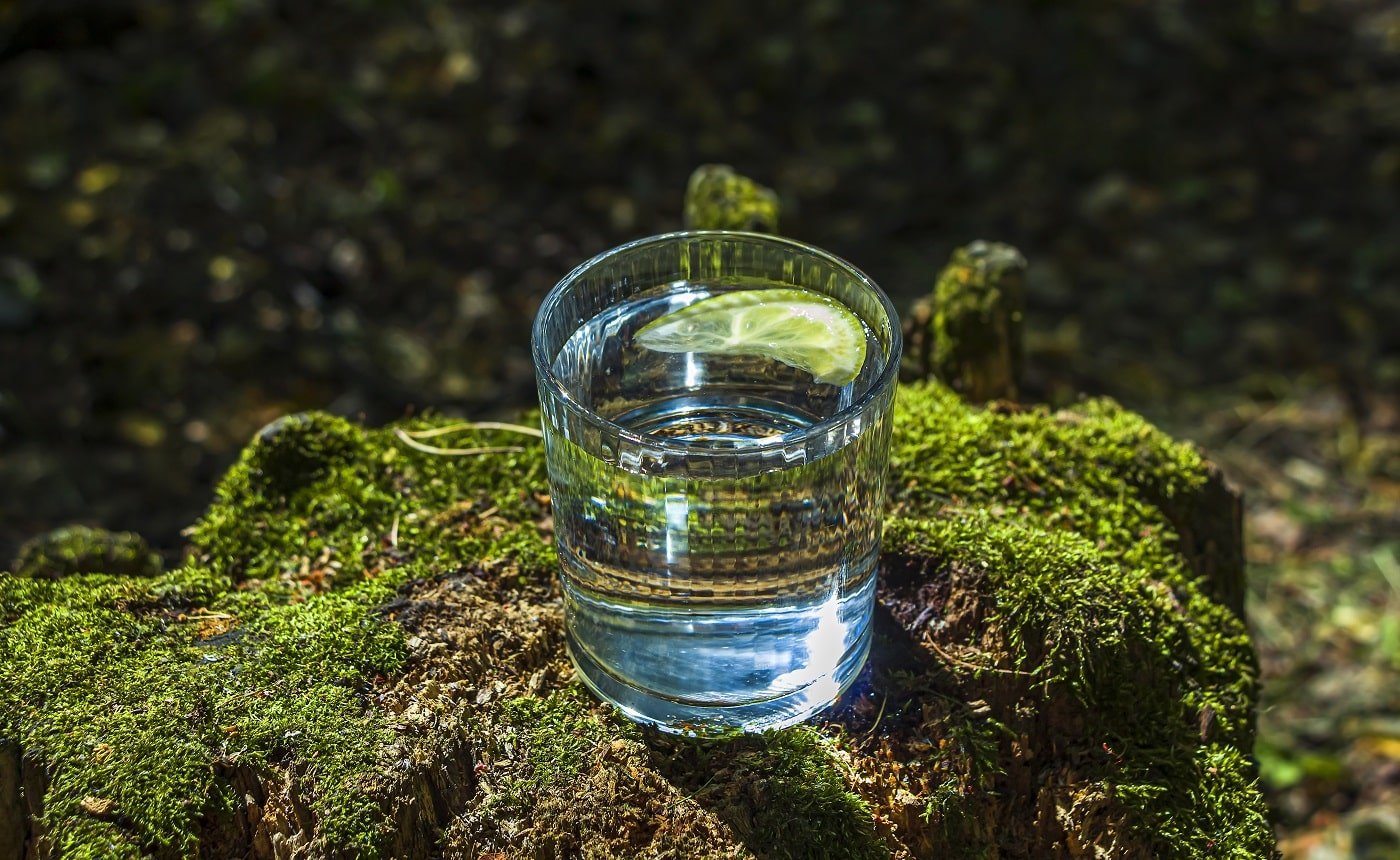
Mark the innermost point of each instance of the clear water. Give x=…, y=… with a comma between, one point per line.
x=698, y=598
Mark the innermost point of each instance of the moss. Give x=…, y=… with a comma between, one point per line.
x=556, y=737
x=968, y=757
x=978, y=321
x=563, y=776
x=1089, y=471
x=1085, y=590
x=261, y=649
x=337, y=494
x=79, y=549
x=1143, y=669
x=1222, y=814
x=800, y=806
x=717, y=198
x=784, y=794
x=271, y=648
x=92, y=839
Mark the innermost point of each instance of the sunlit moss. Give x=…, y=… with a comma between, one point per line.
x=717, y=198
x=263, y=648
x=131, y=687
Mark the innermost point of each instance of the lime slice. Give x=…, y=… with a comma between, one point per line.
x=806, y=330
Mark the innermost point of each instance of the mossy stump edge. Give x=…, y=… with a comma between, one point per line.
x=362, y=655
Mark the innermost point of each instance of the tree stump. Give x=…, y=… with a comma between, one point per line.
x=362, y=656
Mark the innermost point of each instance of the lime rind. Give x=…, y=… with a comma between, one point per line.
x=800, y=328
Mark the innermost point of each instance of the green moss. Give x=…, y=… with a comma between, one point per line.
x=800, y=806
x=556, y=736
x=266, y=647
x=262, y=648
x=283, y=515
x=978, y=321
x=93, y=839
x=1085, y=591
x=717, y=198
x=1221, y=815
x=1090, y=471
x=784, y=794
x=968, y=756
x=79, y=549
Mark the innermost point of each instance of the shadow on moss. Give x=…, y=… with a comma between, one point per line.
x=782, y=793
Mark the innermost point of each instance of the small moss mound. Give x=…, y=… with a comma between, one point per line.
x=296, y=451
x=1049, y=671
x=717, y=198
x=79, y=549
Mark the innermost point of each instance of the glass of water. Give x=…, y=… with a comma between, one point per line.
x=717, y=513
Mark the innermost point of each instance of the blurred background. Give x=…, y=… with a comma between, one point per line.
x=213, y=212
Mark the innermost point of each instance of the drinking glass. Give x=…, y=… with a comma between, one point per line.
x=717, y=517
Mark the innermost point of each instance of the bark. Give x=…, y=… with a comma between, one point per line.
x=13, y=818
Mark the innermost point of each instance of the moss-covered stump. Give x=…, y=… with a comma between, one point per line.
x=362, y=656
x=717, y=198
x=969, y=331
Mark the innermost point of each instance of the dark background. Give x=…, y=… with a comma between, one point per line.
x=217, y=211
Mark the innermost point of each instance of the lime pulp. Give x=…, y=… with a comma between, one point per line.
x=800, y=328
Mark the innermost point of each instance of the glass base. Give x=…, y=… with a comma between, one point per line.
x=696, y=720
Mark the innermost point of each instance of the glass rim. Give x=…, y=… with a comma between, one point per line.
x=544, y=365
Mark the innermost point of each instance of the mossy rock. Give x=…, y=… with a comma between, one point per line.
x=362, y=655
